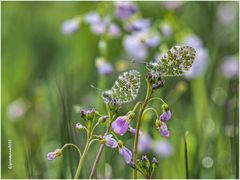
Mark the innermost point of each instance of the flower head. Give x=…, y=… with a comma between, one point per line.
x=104, y=68
x=109, y=141
x=136, y=45
x=87, y=114
x=201, y=60
x=124, y=152
x=120, y=125
x=230, y=67
x=164, y=130
x=52, y=155
x=70, y=26
x=139, y=25
x=166, y=30
x=102, y=24
x=114, y=30
x=163, y=148
x=166, y=116
x=125, y=9
x=145, y=143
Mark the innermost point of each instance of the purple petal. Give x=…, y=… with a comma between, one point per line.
x=153, y=41
x=125, y=9
x=164, y=130
x=166, y=116
x=134, y=47
x=126, y=154
x=69, y=26
x=145, y=143
x=92, y=18
x=141, y=24
x=98, y=28
x=105, y=69
x=133, y=131
x=114, y=30
x=120, y=125
x=163, y=148
x=51, y=156
x=110, y=142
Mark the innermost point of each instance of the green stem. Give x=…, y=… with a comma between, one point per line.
x=140, y=115
x=157, y=98
x=82, y=158
x=186, y=155
x=95, y=164
x=135, y=107
x=152, y=173
x=73, y=145
x=94, y=168
x=156, y=113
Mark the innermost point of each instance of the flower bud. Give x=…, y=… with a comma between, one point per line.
x=165, y=107
x=103, y=119
x=158, y=123
x=87, y=114
x=145, y=162
x=52, y=155
x=130, y=115
x=113, y=105
x=154, y=162
x=80, y=126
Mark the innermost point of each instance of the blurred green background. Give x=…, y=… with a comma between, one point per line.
x=46, y=76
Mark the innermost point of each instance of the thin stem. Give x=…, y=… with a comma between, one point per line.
x=95, y=164
x=142, y=108
x=157, y=98
x=135, y=107
x=73, y=145
x=94, y=168
x=152, y=173
x=156, y=113
x=186, y=155
x=82, y=158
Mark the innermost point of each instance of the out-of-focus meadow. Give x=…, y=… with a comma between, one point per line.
x=46, y=78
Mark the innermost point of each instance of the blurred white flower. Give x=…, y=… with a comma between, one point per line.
x=114, y=30
x=70, y=26
x=16, y=109
x=207, y=162
x=103, y=67
x=100, y=25
x=172, y=5
x=230, y=67
x=136, y=45
x=163, y=148
x=201, y=60
x=166, y=30
x=227, y=12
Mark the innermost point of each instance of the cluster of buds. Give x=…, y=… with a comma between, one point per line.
x=155, y=79
x=144, y=166
x=87, y=114
x=160, y=123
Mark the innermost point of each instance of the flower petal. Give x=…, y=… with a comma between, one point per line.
x=126, y=154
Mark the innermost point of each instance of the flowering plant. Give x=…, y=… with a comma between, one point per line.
x=175, y=62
